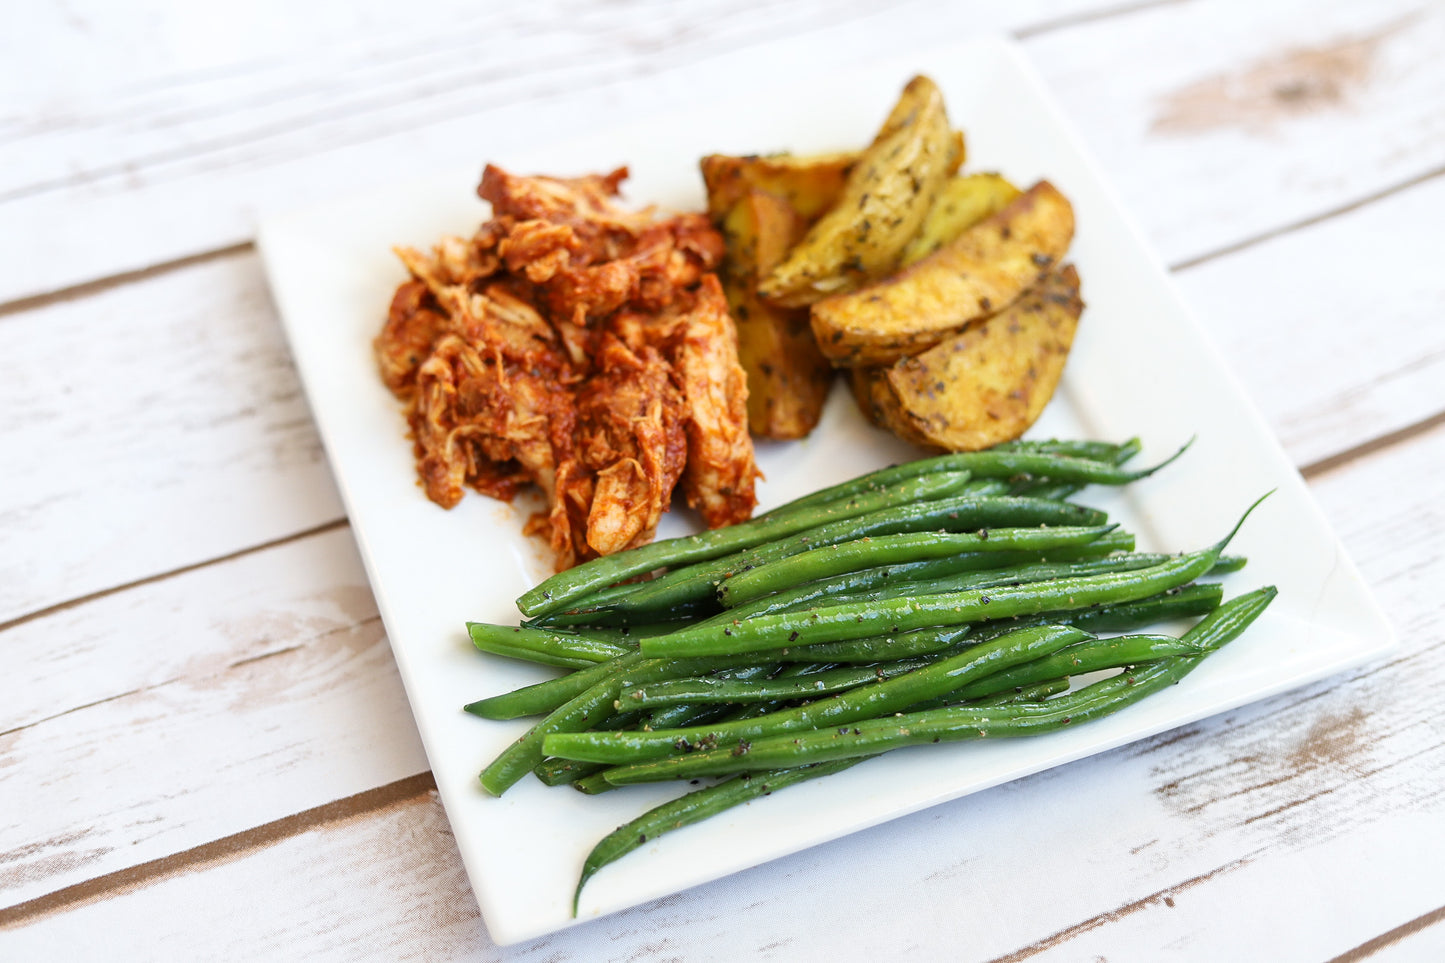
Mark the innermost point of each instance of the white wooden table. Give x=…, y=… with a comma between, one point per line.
x=205, y=750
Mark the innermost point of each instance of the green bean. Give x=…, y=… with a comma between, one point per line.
x=1044, y=488
x=1018, y=575
x=556, y=592
x=714, y=689
x=589, y=708
x=1093, y=655
x=590, y=780
x=585, y=709
x=1003, y=461
x=543, y=697
x=691, y=808
x=1030, y=571
x=549, y=695
x=1037, y=692
x=870, y=736
x=882, y=576
x=616, y=605
x=571, y=650
x=1016, y=461
x=863, y=702
x=832, y=623
x=752, y=710
x=1185, y=601
x=1227, y=622
x=873, y=550
x=994, y=468
x=562, y=772
x=768, y=672
x=1228, y=563
x=603, y=609
x=877, y=649
x=704, y=803
x=599, y=607
x=1199, y=598
x=836, y=623
x=1114, y=454
x=950, y=513
x=594, y=783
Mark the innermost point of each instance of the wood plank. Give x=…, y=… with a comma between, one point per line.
x=180, y=128
x=1339, y=783
x=155, y=720
x=1334, y=329
x=1215, y=127
x=168, y=303
x=186, y=439
x=386, y=886
x=1334, y=792
x=227, y=457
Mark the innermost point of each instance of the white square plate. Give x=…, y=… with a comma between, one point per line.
x=1140, y=366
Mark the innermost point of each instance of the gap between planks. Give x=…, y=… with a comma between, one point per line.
x=403, y=792
x=95, y=286
x=1091, y=16
x=1310, y=472
x=77, y=291
x=189, y=151
x=88, y=288
x=1164, y=897
x=1369, y=948
x=419, y=787
x=321, y=529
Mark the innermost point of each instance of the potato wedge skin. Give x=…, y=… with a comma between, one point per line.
x=988, y=383
x=880, y=405
x=883, y=203
x=788, y=377
x=978, y=274
x=809, y=183
x=963, y=202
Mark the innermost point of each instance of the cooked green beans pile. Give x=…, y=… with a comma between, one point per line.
x=949, y=598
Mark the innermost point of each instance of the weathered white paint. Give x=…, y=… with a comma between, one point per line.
x=162, y=427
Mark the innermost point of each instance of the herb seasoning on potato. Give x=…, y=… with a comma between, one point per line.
x=942, y=293
x=884, y=201
x=987, y=383
x=981, y=272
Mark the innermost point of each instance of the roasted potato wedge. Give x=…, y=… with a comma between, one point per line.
x=884, y=201
x=788, y=377
x=809, y=183
x=985, y=385
x=963, y=202
x=978, y=274
x=877, y=402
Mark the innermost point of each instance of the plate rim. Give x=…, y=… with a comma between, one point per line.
x=276, y=232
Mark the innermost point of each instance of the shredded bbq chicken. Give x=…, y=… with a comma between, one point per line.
x=581, y=347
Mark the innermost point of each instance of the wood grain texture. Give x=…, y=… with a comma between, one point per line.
x=184, y=160
x=187, y=705
x=1336, y=790
x=1215, y=126
x=226, y=457
x=180, y=128
x=158, y=720
x=1222, y=819
x=1334, y=329
x=362, y=879
x=185, y=439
